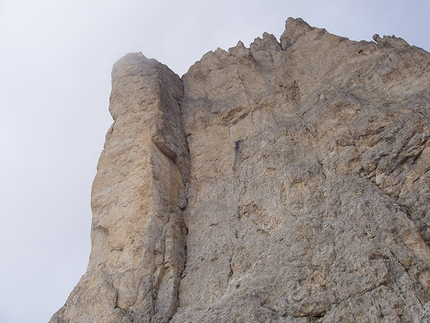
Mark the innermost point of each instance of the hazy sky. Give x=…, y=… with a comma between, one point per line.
x=55, y=62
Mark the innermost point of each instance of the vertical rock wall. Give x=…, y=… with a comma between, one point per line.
x=305, y=155
x=285, y=182
x=138, y=250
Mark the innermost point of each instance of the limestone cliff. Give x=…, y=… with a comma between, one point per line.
x=284, y=182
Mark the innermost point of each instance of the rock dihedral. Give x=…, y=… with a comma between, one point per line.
x=284, y=182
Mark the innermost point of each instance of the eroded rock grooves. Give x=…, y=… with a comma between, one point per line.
x=284, y=182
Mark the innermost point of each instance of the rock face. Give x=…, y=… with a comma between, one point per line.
x=138, y=247
x=284, y=182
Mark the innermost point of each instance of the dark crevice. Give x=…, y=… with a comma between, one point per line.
x=185, y=173
x=237, y=153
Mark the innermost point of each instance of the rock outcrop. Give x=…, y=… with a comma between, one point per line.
x=284, y=182
x=138, y=247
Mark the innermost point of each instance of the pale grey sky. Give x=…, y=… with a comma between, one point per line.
x=55, y=62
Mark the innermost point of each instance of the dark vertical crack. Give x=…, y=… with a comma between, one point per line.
x=183, y=160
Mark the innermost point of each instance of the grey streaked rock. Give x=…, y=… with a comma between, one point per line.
x=284, y=182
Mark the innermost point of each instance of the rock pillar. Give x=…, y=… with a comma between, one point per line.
x=138, y=249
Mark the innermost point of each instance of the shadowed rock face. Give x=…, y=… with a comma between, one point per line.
x=284, y=182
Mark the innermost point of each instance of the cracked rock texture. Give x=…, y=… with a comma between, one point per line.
x=284, y=182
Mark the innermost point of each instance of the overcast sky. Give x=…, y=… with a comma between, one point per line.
x=55, y=62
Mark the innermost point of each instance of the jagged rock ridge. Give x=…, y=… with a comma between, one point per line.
x=284, y=182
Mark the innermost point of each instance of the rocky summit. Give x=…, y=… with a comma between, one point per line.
x=284, y=182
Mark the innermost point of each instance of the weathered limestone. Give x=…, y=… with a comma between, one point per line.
x=302, y=155
x=288, y=182
x=138, y=250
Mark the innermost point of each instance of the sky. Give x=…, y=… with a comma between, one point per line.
x=56, y=58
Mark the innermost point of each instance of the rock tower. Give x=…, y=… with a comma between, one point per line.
x=284, y=182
